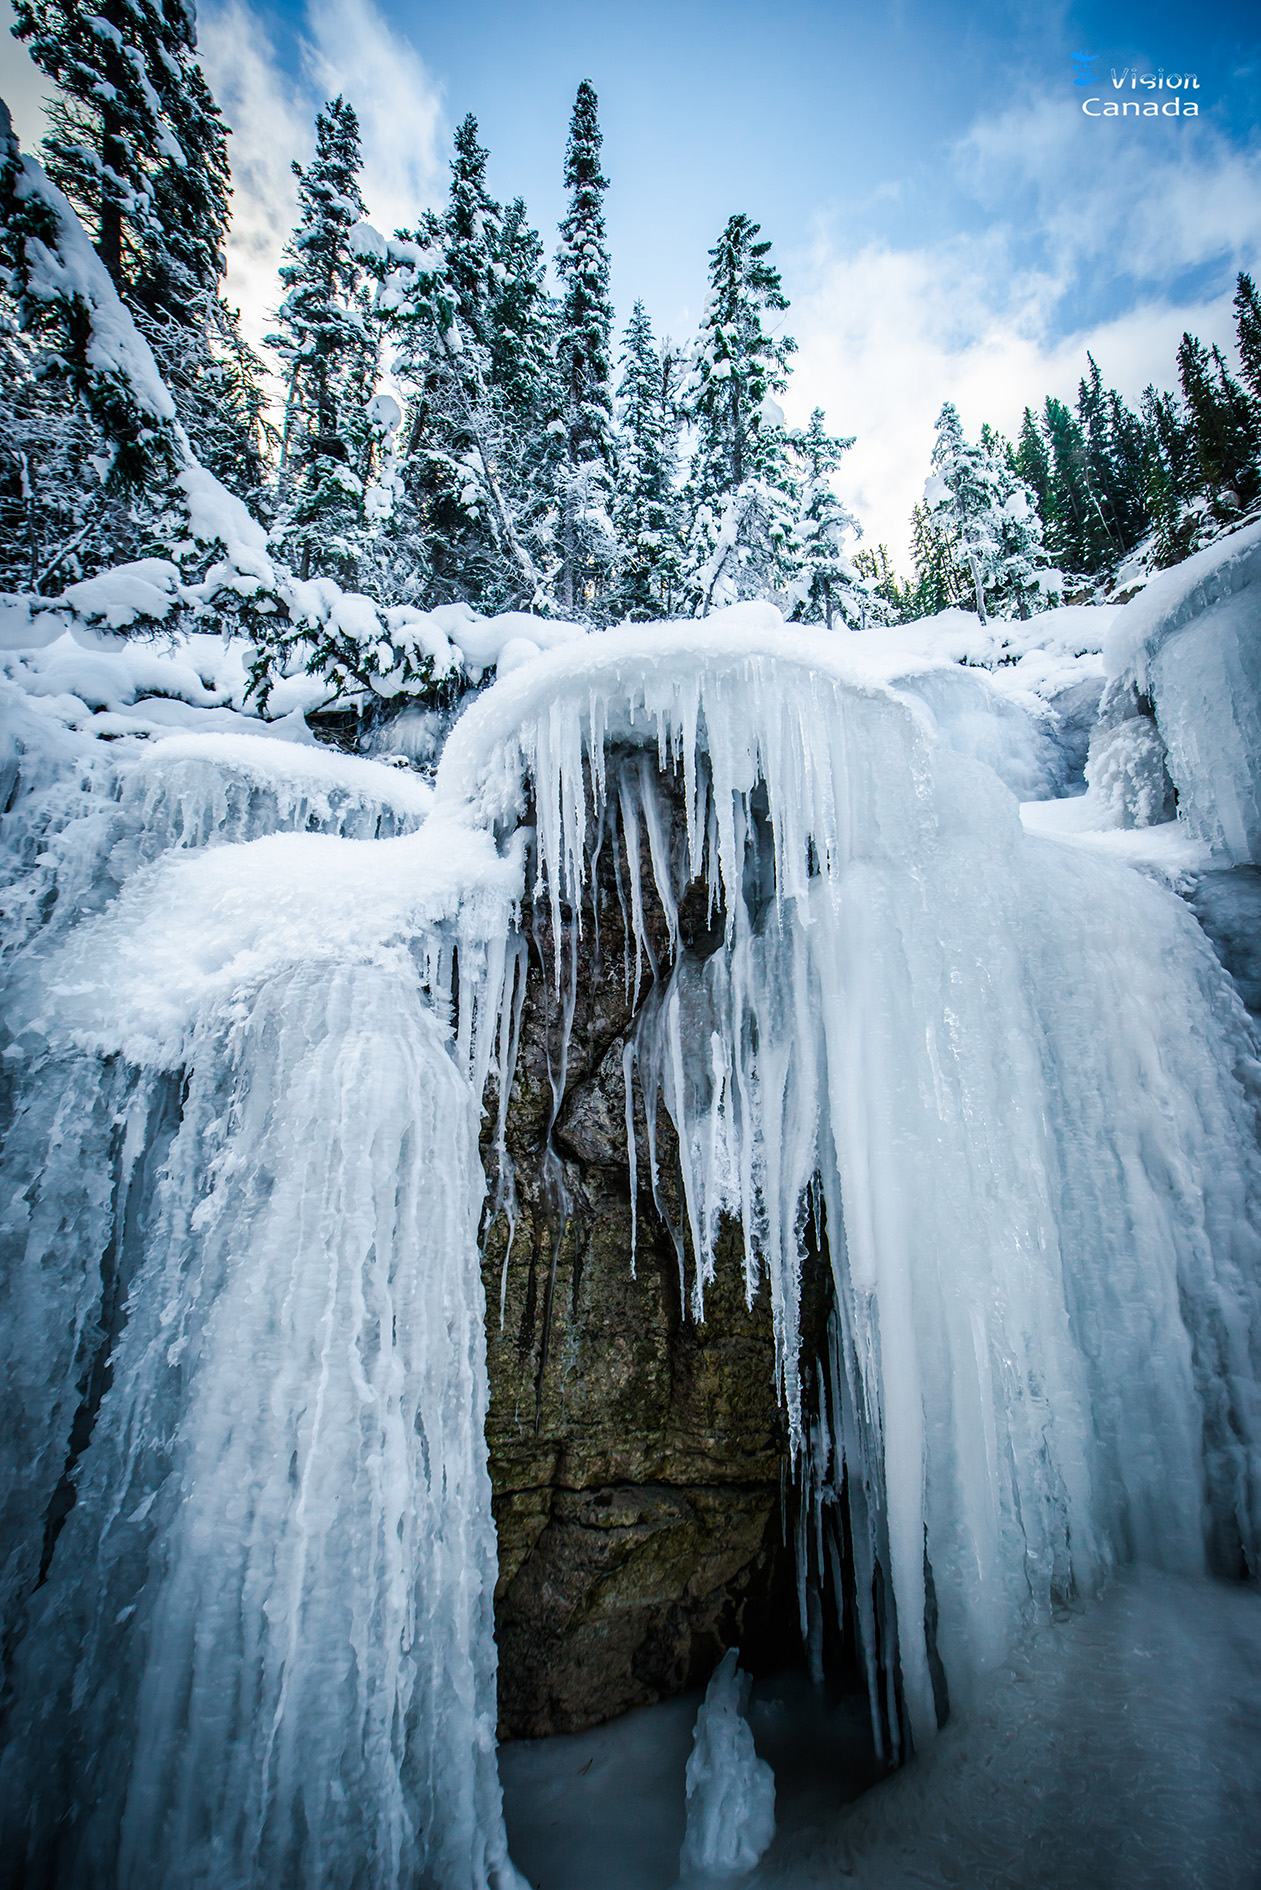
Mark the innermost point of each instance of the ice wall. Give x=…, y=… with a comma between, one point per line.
x=1191, y=642
x=247, y=1553
x=1012, y=1086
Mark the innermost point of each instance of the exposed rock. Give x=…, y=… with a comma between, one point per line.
x=636, y=1457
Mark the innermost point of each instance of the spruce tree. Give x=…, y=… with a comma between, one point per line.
x=741, y=496
x=646, y=515
x=828, y=583
x=108, y=125
x=328, y=345
x=1248, y=329
x=989, y=516
x=138, y=146
x=1222, y=427
x=585, y=369
x=89, y=443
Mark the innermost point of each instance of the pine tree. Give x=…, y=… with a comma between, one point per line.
x=107, y=122
x=828, y=583
x=1077, y=535
x=1172, y=477
x=646, y=514
x=585, y=368
x=138, y=146
x=989, y=516
x=329, y=346
x=89, y=442
x=741, y=496
x=470, y=233
x=939, y=578
x=1222, y=427
x=1248, y=329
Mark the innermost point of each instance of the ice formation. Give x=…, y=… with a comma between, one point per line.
x=247, y=1507
x=910, y=987
x=1191, y=643
x=256, y=993
x=730, y=1791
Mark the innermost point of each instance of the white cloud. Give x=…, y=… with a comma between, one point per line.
x=352, y=50
x=272, y=124
x=997, y=320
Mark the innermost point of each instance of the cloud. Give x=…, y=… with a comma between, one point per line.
x=354, y=51
x=272, y=124
x=1074, y=253
x=349, y=49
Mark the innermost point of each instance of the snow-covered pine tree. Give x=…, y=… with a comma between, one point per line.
x=741, y=495
x=107, y=121
x=647, y=513
x=991, y=517
x=329, y=344
x=138, y=146
x=450, y=306
x=960, y=496
x=525, y=382
x=938, y=578
x=828, y=584
x=215, y=377
x=584, y=371
x=1172, y=476
x=89, y=441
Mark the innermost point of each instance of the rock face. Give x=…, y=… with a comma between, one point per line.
x=637, y=1458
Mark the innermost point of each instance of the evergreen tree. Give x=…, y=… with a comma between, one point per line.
x=585, y=368
x=1031, y=462
x=989, y=516
x=88, y=440
x=1114, y=450
x=1077, y=534
x=646, y=515
x=828, y=583
x=939, y=580
x=470, y=233
x=1222, y=427
x=1172, y=477
x=139, y=148
x=875, y=567
x=329, y=346
x=742, y=496
x=108, y=125
x=1248, y=328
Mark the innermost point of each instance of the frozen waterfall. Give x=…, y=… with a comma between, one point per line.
x=255, y=998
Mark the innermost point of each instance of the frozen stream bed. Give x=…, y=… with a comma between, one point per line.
x=1118, y=1749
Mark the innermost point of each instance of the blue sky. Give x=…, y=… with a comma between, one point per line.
x=948, y=223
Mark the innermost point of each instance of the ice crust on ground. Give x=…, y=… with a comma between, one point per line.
x=1117, y=1747
x=1008, y=1078
x=730, y=1791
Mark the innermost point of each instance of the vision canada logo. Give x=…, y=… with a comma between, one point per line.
x=1130, y=79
